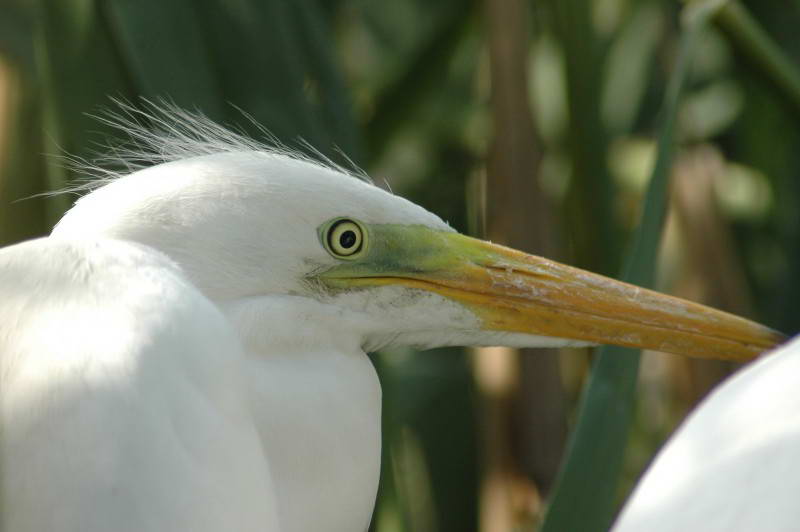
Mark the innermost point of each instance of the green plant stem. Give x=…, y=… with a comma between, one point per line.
x=751, y=41
x=586, y=488
x=588, y=203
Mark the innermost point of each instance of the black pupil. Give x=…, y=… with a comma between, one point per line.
x=347, y=239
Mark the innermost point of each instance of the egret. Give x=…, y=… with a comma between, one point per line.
x=187, y=349
x=733, y=465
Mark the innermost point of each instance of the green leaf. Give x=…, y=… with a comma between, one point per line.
x=78, y=70
x=422, y=73
x=16, y=28
x=269, y=58
x=22, y=171
x=333, y=102
x=589, y=197
x=165, y=52
x=756, y=46
x=587, y=485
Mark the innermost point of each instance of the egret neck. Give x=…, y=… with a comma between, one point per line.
x=316, y=401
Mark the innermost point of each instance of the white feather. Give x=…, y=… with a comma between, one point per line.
x=124, y=403
x=158, y=132
x=733, y=464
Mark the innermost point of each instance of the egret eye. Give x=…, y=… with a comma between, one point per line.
x=345, y=238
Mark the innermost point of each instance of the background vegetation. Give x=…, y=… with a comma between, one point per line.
x=530, y=123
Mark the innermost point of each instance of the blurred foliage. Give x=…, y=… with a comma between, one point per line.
x=583, y=501
x=403, y=87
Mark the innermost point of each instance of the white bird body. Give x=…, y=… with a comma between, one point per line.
x=314, y=396
x=734, y=464
x=122, y=400
x=324, y=437
x=211, y=406
x=187, y=351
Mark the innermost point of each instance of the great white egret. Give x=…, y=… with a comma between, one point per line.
x=734, y=464
x=187, y=350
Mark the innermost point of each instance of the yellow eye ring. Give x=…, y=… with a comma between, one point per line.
x=345, y=238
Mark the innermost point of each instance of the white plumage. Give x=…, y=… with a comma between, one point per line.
x=734, y=464
x=123, y=404
x=241, y=226
x=187, y=351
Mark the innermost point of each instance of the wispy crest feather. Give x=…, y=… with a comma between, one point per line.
x=161, y=132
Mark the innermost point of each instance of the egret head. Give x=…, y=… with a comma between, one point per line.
x=251, y=224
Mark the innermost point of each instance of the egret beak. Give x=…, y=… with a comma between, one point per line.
x=515, y=292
